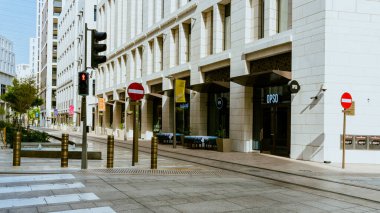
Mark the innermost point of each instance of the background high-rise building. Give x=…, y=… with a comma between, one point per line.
x=7, y=70
x=23, y=71
x=39, y=4
x=71, y=35
x=49, y=12
x=33, y=57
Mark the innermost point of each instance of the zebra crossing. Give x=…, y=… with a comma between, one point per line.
x=26, y=185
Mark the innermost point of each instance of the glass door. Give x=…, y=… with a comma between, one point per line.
x=276, y=130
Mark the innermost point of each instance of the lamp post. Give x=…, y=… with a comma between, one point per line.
x=174, y=112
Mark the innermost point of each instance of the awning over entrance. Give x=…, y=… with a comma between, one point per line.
x=154, y=95
x=264, y=78
x=212, y=87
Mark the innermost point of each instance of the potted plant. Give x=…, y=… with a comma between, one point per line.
x=223, y=144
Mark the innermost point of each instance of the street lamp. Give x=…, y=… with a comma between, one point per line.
x=170, y=77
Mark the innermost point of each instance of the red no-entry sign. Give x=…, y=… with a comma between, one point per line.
x=346, y=100
x=135, y=91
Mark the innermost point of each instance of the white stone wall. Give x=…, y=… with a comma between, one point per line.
x=334, y=44
x=308, y=64
x=352, y=50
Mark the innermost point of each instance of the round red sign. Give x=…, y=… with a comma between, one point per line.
x=135, y=91
x=346, y=100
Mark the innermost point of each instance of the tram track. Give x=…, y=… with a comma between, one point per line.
x=342, y=188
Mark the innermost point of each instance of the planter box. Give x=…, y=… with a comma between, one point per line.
x=223, y=144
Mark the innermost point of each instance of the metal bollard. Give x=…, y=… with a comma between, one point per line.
x=65, y=150
x=17, y=150
x=5, y=136
x=153, y=160
x=110, y=151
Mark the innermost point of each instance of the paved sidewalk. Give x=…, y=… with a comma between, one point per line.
x=262, y=160
x=177, y=187
x=122, y=159
x=359, y=174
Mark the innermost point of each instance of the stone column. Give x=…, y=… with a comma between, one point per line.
x=146, y=119
x=167, y=116
x=198, y=112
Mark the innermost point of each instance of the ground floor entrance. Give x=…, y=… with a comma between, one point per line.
x=276, y=129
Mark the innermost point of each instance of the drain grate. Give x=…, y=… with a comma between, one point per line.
x=153, y=172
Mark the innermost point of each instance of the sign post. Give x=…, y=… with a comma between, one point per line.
x=346, y=102
x=136, y=93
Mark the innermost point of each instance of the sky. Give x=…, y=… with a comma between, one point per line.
x=18, y=24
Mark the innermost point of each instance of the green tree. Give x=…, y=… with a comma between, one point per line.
x=32, y=113
x=22, y=96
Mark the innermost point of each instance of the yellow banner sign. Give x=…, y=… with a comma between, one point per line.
x=180, y=91
x=101, y=104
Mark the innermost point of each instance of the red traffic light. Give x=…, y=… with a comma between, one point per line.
x=83, y=83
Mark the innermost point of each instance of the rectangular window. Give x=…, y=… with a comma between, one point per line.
x=3, y=89
x=93, y=87
x=211, y=32
x=95, y=9
x=207, y=33
x=187, y=28
x=176, y=46
x=227, y=27
x=284, y=15
x=151, y=57
x=261, y=19
x=161, y=53
x=162, y=8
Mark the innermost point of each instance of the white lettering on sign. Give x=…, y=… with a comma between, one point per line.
x=345, y=100
x=272, y=98
x=136, y=91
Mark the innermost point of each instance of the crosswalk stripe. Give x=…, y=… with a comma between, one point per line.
x=36, y=178
x=29, y=188
x=19, y=202
x=92, y=210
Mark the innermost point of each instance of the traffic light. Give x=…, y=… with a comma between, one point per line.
x=97, y=48
x=83, y=83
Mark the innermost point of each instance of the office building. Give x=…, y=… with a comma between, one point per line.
x=71, y=37
x=49, y=12
x=7, y=71
x=246, y=53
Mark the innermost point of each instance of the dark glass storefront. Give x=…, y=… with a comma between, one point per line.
x=275, y=112
x=218, y=114
x=157, y=114
x=269, y=78
x=183, y=116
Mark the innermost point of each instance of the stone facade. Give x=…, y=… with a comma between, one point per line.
x=333, y=47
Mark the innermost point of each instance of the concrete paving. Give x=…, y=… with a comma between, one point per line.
x=178, y=187
x=176, y=193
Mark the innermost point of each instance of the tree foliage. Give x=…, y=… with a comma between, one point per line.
x=22, y=95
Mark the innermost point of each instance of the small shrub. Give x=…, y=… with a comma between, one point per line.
x=31, y=136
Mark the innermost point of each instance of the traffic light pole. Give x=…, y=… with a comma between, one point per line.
x=84, y=110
